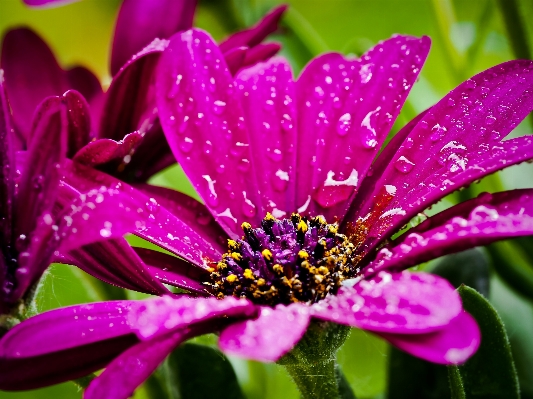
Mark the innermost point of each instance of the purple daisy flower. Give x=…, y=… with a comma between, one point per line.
x=305, y=154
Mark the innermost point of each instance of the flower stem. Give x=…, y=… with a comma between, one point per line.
x=316, y=380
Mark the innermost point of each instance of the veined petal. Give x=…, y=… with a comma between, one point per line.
x=269, y=336
x=48, y=3
x=83, y=80
x=141, y=21
x=480, y=221
x=407, y=303
x=453, y=344
x=253, y=36
x=203, y=121
x=158, y=316
x=267, y=95
x=261, y=52
x=469, y=121
x=26, y=85
x=129, y=370
x=78, y=121
x=345, y=110
x=104, y=151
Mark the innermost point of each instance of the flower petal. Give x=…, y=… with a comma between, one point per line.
x=408, y=303
x=345, y=110
x=83, y=80
x=253, y=36
x=267, y=95
x=26, y=85
x=48, y=3
x=78, y=120
x=158, y=316
x=141, y=21
x=268, y=337
x=480, y=221
x=104, y=151
x=453, y=344
x=203, y=122
x=129, y=370
x=469, y=122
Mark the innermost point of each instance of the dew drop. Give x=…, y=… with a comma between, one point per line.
x=186, y=145
x=490, y=120
x=219, y=107
x=404, y=165
x=319, y=92
x=212, y=197
x=437, y=132
x=344, y=123
x=286, y=123
x=280, y=180
x=275, y=155
x=248, y=208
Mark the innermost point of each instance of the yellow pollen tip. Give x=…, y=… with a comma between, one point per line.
x=267, y=254
x=303, y=255
x=232, y=245
x=231, y=278
x=305, y=264
x=302, y=226
x=277, y=268
x=237, y=256
x=269, y=217
x=246, y=226
x=333, y=229
x=320, y=219
x=323, y=270
x=210, y=269
x=248, y=274
x=261, y=282
x=221, y=266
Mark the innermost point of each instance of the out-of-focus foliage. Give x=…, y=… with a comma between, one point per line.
x=468, y=37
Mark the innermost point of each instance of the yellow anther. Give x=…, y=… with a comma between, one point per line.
x=322, y=242
x=277, y=268
x=323, y=270
x=302, y=254
x=237, y=256
x=313, y=270
x=302, y=226
x=210, y=269
x=246, y=226
x=267, y=254
x=231, y=278
x=319, y=278
x=269, y=217
x=320, y=219
x=295, y=217
x=232, y=245
x=333, y=229
x=286, y=281
x=220, y=295
x=248, y=274
x=221, y=266
x=305, y=264
x=261, y=282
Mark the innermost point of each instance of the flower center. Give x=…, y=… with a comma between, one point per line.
x=285, y=261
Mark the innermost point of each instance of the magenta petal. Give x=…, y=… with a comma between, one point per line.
x=256, y=34
x=235, y=58
x=268, y=337
x=141, y=21
x=27, y=85
x=271, y=121
x=102, y=151
x=203, y=122
x=83, y=80
x=79, y=121
x=193, y=213
x=480, y=221
x=129, y=370
x=465, y=126
x=407, y=303
x=261, y=52
x=48, y=3
x=174, y=271
x=158, y=316
x=347, y=107
x=453, y=344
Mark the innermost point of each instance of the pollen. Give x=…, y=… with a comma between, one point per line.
x=267, y=254
x=302, y=226
x=237, y=256
x=231, y=278
x=248, y=274
x=303, y=255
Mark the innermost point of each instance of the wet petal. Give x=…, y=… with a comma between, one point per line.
x=409, y=303
x=135, y=27
x=78, y=120
x=267, y=95
x=102, y=151
x=261, y=52
x=27, y=85
x=256, y=34
x=63, y=344
x=469, y=122
x=129, y=370
x=346, y=108
x=235, y=58
x=203, y=122
x=453, y=344
x=83, y=80
x=488, y=218
x=158, y=316
x=268, y=337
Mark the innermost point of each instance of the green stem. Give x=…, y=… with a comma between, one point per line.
x=316, y=380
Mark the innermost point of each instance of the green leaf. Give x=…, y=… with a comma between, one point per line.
x=490, y=373
x=195, y=371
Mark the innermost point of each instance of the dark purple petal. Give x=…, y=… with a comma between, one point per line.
x=141, y=21
x=268, y=337
x=174, y=271
x=79, y=121
x=345, y=110
x=406, y=303
x=453, y=344
x=464, y=126
x=129, y=102
x=203, y=122
x=235, y=58
x=266, y=92
x=63, y=344
x=115, y=262
x=83, y=80
x=129, y=370
x=49, y=3
x=159, y=316
x=256, y=34
x=488, y=218
x=26, y=84
x=193, y=213
x=261, y=52
x=102, y=151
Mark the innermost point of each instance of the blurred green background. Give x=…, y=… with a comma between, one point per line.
x=468, y=37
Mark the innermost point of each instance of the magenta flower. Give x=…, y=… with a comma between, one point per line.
x=303, y=153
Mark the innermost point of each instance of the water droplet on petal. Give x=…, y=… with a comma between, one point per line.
x=404, y=165
x=248, y=208
x=286, y=123
x=344, y=124
x=186, y=144
x=275, y=155
x=332, y=192
x=219, y=107
x=437, y=132
x=212, y=197
x=369, y=135
x=280, y=180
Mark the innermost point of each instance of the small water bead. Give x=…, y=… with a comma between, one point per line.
x=437, y=132
x=212, y=197
x=244, y=165
x=484, y=213
x=490, y=120
x=344, y=123
x=248, y=208
x=220, y=169
x=404, y=165
x=269, y=105
x=319, y=92
x=208, y=147
x=186, y=144
x=219, y=107
x=37, y=182
x=280, y=180
x=276, y=155
x=286, y=123
x=369, y=135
